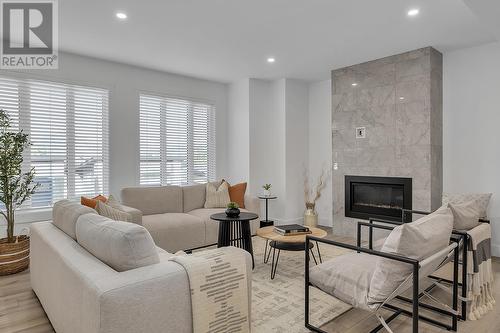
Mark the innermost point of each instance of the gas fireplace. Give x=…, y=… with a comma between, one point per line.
x=377, y=197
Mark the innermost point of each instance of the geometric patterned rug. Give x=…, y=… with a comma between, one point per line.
x=278, y=305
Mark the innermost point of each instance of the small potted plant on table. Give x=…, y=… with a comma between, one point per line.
x=15, y=188
x=233, y=210
x=267, y=189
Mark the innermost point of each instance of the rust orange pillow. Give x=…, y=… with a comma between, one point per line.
x=92, y=202
x=237, y=194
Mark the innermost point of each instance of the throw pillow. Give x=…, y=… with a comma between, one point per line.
x=481, y=200
x=112, y=213
x=237, y=194
x=417, y=240
x=217, y=197
x=92, y=202
x=465, y=215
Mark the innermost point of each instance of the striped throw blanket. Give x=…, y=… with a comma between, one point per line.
x=479, y=272
x=219, y=290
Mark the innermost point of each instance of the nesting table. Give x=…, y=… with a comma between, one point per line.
x=267, y=222
x=288, y=243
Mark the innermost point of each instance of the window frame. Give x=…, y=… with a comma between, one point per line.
x=211, y=138
x=25, y=85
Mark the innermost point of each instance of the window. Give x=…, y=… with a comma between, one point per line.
x=177, y=141
x=68, y=128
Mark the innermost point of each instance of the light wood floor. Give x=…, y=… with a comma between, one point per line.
x=20, y=311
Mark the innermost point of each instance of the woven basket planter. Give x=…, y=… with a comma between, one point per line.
x=14, y=257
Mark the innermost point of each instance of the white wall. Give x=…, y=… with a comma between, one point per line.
x=297, y=147
x=471, y=118
x=125, y=83
x=238, y=132
x=320, y=144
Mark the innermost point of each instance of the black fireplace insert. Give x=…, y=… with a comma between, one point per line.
x=377, y=197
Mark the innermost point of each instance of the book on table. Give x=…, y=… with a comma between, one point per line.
x=292, y=229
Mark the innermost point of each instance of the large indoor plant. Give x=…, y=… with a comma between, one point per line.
x=16, y=187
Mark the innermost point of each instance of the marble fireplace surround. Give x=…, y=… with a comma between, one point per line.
x=398, y=100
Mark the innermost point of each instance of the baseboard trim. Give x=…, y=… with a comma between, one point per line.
x=495, y=250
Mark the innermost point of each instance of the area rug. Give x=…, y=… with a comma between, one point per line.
x=278, y=305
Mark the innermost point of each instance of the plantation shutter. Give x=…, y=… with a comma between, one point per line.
x=177, y=141
x=68, y=128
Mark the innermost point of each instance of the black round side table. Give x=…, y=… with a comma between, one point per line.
x=267, y=222
x=235, y=231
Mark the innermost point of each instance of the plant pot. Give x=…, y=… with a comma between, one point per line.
x=232, y=212
x=267, y=193
x=14, y=257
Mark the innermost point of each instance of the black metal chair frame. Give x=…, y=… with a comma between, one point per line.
x=465, y=238
x=416, y=295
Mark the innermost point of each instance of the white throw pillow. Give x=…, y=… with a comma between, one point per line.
x=217, y=196
x=465, y=215
x=120, y=245
x=482, y=200
x=113, y=213
x=417, y=240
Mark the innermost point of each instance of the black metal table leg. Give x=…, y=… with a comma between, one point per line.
x=274, y=264
x=319, y=253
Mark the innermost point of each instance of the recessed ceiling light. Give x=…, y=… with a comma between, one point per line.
x=413, y=12
x=354, y=84
x=271, y=60
x=401, y=98
x=121, y=15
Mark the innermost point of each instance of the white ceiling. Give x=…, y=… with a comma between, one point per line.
x=225, y=40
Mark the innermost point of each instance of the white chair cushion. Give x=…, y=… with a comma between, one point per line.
x=120, y=245
x=481, y=200
x=65, y=213
x=346, y=277
x=416, y=240
x=465, y=215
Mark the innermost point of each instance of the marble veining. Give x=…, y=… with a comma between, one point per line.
x=398, y=99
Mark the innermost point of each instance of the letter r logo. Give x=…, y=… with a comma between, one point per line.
x=27, y=27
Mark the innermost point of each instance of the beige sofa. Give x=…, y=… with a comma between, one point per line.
x=81, y=293
x=175, y=216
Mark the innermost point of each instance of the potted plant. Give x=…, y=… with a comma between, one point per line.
x=233, y=209
x=310, y=215
x=15, y=188
x=267, y=189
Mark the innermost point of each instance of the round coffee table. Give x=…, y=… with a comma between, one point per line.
x=280, y=242
x=235, y=231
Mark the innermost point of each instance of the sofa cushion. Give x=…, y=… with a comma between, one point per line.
x=65, y=213
x=217, y=196
x=120, y=245
x=92, y=202
x=416, y=240
x=237, y=194
x=346, y=277
x=112, y=212
x=194, y=196
x=154, y=199
x=175, y=231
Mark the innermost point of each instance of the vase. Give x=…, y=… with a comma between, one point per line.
x=15, y=256
x=267, y=193
x=232, y=212
x=310, y=218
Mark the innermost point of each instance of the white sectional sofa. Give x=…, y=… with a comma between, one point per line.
x=175, y=217
x=72, y=275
